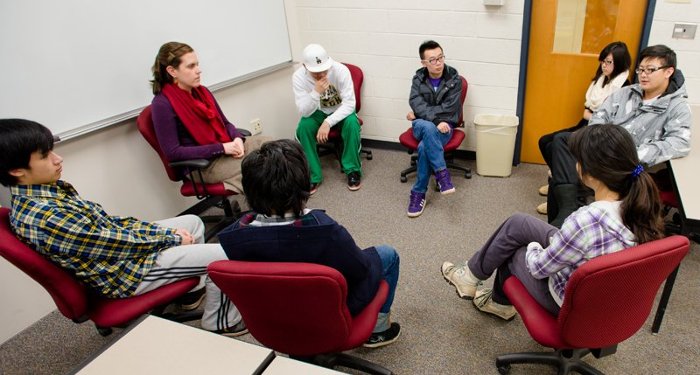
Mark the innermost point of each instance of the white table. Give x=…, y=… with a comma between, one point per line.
x=156, y=346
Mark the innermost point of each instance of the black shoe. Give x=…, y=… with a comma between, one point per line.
x=191, y=300
x=234, y=331
x=385, y=337
x=354, y=181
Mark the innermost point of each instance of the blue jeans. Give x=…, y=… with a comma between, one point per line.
x=431, y=155
x=390, y=273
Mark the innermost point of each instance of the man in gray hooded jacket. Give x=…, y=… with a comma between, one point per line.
x=655, y=111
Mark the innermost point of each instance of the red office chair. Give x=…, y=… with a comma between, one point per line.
x=300, y=309
x=606, y=301
x=335, y=142
x=411, y=143
x=209, y=194
x=73, y=299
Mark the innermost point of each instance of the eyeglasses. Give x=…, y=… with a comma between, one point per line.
x=606, y=62
x=649, y=70
x=435, y=60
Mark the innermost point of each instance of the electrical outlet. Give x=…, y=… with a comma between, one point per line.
x=255, y=126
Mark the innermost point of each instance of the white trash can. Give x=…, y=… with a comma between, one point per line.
x=495, y=144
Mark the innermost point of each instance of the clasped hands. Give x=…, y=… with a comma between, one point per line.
x=442, y=127
x=235, y=148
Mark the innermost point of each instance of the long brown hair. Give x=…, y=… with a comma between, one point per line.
x=169, y=54
x=608, y=153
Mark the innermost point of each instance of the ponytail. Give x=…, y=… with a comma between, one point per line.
x=641, y=208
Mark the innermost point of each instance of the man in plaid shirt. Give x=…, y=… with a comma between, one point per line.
x=115, y=256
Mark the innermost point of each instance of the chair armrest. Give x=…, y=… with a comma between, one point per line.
x=245, y=132
x=194, y=163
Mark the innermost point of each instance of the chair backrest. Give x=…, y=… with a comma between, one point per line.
x=145, y=125
x=69, y=294
x=609, y=298
x=357, y=78
x=462, y=98
x=294, y=308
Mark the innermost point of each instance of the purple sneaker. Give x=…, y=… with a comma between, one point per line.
x=444, y=182
x=416, y=204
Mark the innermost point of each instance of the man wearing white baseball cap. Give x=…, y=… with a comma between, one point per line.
x=324, y=96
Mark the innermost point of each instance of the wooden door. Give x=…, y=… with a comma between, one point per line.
x=566, y=37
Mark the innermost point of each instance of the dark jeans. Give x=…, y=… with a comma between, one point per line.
x=545, y=141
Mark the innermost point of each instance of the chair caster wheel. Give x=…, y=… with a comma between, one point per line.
x=468, y=175
x=404, y=178
x=104, y=332
x=504, y=370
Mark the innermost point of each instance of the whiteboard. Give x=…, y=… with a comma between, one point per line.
x=79, y=65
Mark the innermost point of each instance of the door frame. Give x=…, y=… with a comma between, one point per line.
x=524, y=54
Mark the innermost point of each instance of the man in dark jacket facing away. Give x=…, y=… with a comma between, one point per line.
x=281, y=229
x=435, y=110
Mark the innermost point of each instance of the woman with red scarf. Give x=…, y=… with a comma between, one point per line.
x=189, y=123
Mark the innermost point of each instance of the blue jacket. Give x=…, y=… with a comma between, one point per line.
x=320, y=240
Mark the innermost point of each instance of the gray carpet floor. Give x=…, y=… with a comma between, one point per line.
x=441, y=333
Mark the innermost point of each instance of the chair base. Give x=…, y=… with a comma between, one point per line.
x=566, y=360
x=449, y=162
x=345, y=360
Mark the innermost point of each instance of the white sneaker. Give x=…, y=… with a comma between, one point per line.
x=483, y=302
x=543, y=190
x=461, y=278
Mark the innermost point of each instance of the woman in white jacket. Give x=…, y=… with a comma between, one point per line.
x=612, y=73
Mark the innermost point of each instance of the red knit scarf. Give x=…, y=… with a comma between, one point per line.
x=197, y=111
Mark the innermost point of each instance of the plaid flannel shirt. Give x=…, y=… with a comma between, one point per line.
x=111, y=254
x=589, y=232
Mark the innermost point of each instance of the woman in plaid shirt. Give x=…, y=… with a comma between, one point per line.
x=626, y=212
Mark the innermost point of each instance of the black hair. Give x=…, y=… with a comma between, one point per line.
x=662, y=52
x=19, y=139
x=621, y=61
x=608, y=153
x=428, y=44
x=276, y=178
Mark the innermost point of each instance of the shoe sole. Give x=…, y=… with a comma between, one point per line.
x=415, y=214
x=354, y=188
x=459, y=294
x=234, y=334
x=383, y=343
x=450, y=191
x=495, y=314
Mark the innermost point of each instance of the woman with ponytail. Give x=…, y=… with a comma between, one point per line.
x=626, y=212
x=189, y=123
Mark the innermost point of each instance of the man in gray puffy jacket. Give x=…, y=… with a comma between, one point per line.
x=655, y=111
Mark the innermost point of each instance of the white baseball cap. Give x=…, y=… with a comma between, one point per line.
x=316, y=58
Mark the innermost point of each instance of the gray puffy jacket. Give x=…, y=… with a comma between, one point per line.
x=661, y=129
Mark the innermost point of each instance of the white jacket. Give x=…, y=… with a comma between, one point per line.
x=338, y=101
